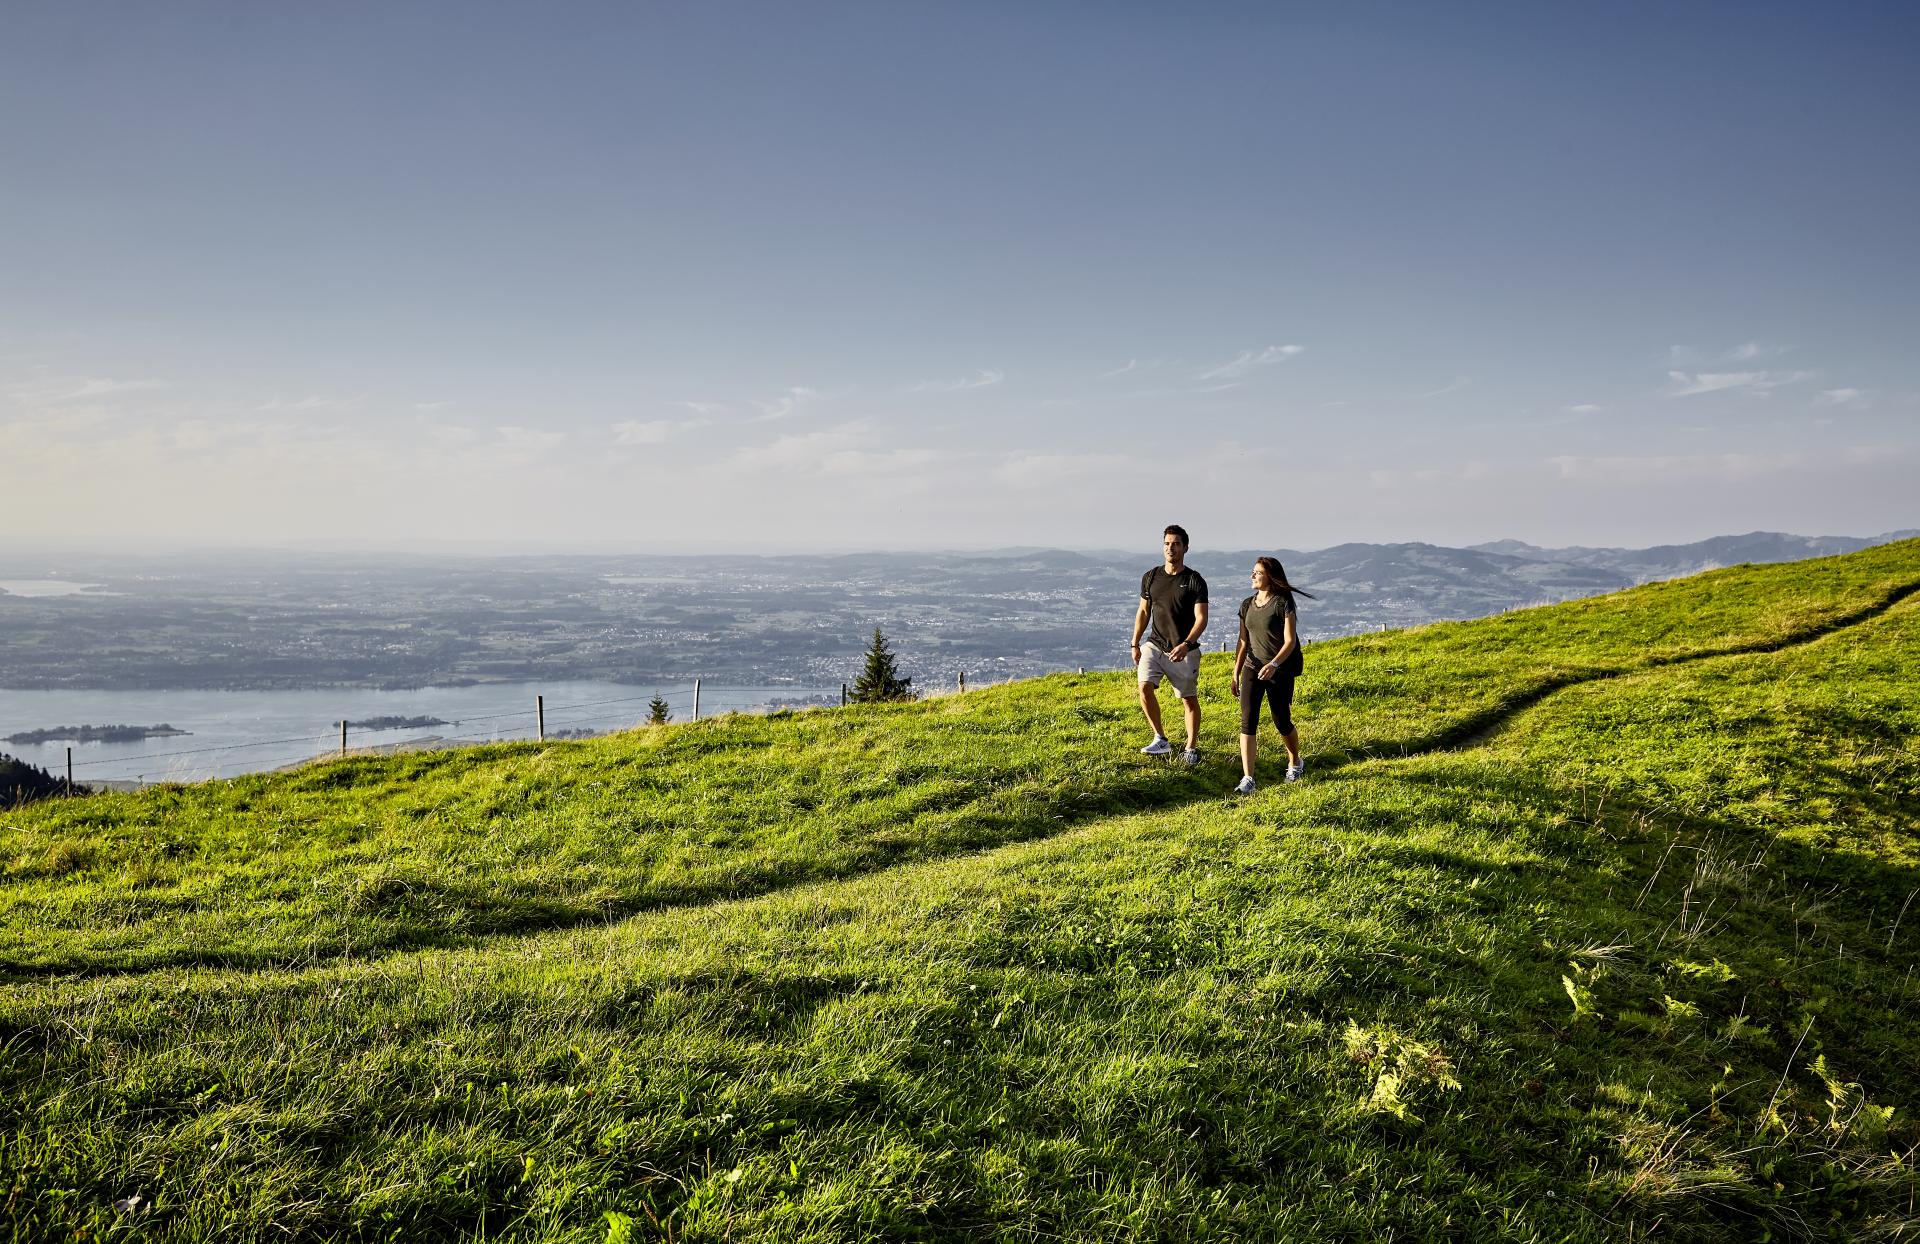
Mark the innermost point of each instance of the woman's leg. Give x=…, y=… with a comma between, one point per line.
x=1280, y=699
x=1250, y=689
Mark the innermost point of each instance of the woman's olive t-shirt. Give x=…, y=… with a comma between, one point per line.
x=1265, y=628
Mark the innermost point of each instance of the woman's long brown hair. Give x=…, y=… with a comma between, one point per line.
x=1277, y=575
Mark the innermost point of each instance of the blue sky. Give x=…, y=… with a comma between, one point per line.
x=825, y=276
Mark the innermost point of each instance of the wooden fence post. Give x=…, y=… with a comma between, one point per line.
x=540, y=715
x=843, y=695
x=69, y=769
x=696, y=699
x=343, y=736
x=963, y=680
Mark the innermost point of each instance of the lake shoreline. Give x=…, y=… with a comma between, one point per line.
x=249, y=731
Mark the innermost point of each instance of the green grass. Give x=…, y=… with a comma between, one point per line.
x=1630, y=959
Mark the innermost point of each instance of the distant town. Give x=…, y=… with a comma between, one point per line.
x=285, y=621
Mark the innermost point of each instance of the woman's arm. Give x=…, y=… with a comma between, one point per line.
x=1239, y=654
x=1293, y=642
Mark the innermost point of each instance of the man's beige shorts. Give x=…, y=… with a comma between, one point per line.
x=1184, y=675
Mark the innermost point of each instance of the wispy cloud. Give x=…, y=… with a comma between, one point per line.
x=795, y=399
x=654, y=431
x=313, y=401
x=841, y=451
x=1458, y=383
x=450, y=435
x=985, y=378
x=704, y=408
x=1675, y=468
x=1745, y=352
x=1585, y=408
x=1841, y=397
x=1758, y=383
x=1048, y=470
x=103, y=387
x=1249, y=360
x=514, y=437
x=1470, y=471
x=47, y=390
x=1139, y=368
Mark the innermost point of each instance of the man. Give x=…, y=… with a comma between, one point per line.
x=1173, y=599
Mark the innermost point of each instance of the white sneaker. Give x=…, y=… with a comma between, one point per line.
x=1296, y=772
x=1159, y=747
x=1245, y=787
x=1190, y=757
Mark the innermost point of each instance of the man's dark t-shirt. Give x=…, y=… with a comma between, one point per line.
x=1170, y=604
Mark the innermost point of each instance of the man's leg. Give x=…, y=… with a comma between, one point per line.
x=1150, y=705
x=1192, y=704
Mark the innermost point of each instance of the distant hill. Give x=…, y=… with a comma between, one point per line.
x=1365, y=586
x=1668, y=561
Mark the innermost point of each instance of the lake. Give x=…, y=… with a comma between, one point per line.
x=257, y=730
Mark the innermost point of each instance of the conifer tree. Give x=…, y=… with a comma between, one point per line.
x=658, y=714
x=22, y=783
x=880, y=680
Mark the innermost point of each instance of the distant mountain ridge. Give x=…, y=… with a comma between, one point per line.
x=1364, y=586
x=1666, y=561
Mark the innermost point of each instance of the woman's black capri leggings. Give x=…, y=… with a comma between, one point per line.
x=1277, y=691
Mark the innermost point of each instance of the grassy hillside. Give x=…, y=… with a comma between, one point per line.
x=1593, y=922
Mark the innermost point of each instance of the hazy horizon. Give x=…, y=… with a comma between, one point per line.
x=19, y=555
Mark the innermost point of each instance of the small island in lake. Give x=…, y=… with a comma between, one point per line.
x=95, y=734
x=396, y=723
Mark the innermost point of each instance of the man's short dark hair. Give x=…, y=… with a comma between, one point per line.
x=1175, y=529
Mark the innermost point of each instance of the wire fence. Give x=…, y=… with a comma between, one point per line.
x=540, y=722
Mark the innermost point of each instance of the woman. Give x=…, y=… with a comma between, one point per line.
x=1266, y=660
